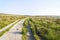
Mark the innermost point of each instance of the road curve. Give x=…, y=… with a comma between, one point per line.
x=15, y=32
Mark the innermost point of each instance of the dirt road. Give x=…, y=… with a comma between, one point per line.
x=15, y=32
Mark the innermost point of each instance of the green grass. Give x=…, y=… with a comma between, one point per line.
x=43, y=27
x=8, y=19
x=47, y=29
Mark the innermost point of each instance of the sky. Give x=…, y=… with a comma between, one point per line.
x=30, y=7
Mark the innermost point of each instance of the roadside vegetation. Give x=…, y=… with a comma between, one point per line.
x=43, y=28
x=8, y=19
x=24, y=31
x=1, y=33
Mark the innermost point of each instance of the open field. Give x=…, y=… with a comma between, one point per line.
x=7, y=19
x=41, y=28
x=33, y=27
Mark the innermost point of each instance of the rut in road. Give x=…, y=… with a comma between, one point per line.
x=15, y=32
x=31, y=37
